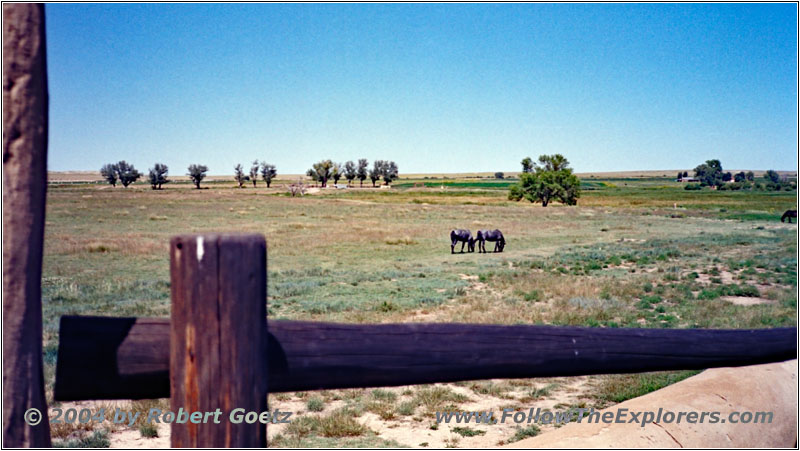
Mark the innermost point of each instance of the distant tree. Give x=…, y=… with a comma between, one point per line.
x=158, y=175
x=361, y=172
x=239, y=175
x=685, y=173
x=268, y=172
x=772, y=176
x=336, y=172
x=499, y=175
x=376, y=172
x=553, y=180
x=109, y=172
x=254, y=172
x=680, y=176
x=126, y=173
x=321, y=172
x=739, y=177
x=350, y=172
x=527, y=165
x=197, y=172
x=389, y=172
x=750, y=176
x=709, y=173
x=727, y=177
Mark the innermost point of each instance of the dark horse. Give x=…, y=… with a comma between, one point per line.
x=490, y=235
x=465, y=237
x=789, y=214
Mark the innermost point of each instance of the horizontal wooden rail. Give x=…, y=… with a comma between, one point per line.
x=128, y=358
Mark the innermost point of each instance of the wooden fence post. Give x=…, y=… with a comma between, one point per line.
x=218, y=351
x=24, y=191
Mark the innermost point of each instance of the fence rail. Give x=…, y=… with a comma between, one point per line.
x=128, y=358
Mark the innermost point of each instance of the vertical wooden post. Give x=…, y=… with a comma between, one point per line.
x=218, y=355
x=24, y=191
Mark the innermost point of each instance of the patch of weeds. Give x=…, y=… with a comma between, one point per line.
x=339, y=423
x=467, y=432
x=98, y=439
x=406, y=408
x=384, y=395
x=434, y=398
x=452, y=442
x=490, y=388
x=315, y=404
x=523, y=433
x=539, y=393
x=148, y=430
x=619, y=388
x=532, y=296
x=384, y=410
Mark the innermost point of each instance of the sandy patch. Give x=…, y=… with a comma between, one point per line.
x=743, y=300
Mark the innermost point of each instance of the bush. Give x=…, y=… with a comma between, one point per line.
x=315, y=404
x=148, y=430
x=692, y=187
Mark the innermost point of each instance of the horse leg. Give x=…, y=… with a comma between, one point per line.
x=462, y=246
x=452, y=247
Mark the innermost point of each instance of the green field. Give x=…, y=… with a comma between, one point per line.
x=633, y=253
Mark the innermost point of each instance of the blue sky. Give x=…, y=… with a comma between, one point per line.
x=436, y=88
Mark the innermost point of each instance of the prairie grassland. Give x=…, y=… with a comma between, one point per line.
x=633, y=253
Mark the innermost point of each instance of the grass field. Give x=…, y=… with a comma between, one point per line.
x=635, y=252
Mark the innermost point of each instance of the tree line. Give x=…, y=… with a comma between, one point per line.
x=124, y=173
x=321, y=172
x=711, y=174
x=325, y=170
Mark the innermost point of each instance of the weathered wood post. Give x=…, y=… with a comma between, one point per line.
x=24, y=190
x=218, y=350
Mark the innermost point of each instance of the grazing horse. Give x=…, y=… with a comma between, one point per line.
x=789, y=214
x=490, y=235
x=465, y=236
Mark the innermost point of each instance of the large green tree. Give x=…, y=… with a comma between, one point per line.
x=709, y=173
x=551, y=180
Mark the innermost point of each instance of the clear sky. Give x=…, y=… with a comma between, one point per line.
x=436, y=88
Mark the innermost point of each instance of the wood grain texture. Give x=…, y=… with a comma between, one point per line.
x=218, y=355
x=24, y=190
x=310, y=355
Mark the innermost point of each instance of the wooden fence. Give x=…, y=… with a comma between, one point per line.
x=219, y=351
